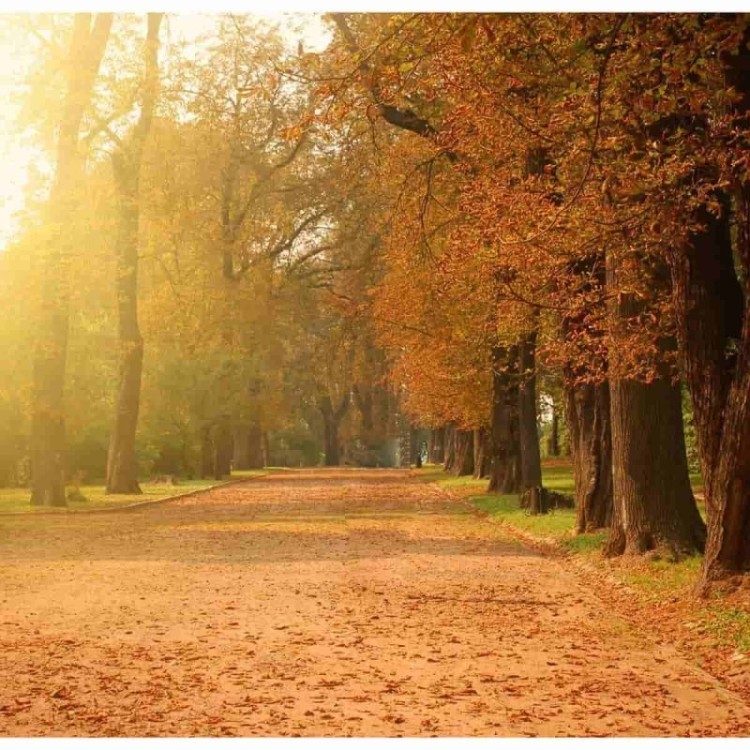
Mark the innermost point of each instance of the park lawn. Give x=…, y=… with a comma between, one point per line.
x=653, y=579
x=16, y=499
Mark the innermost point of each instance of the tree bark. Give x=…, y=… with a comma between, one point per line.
x=714, y=334
x=331, y=443
x=121, y=463
x=331, y=423
x=553, y=443
x=505, y=466
x=590, y=436
x=531, y=460
x=482, y=453
x=255, y=446
x=207, y=452
x=364, y=403
x=223, y=448
x=464, y=457
x=711, y=286
x=653, y=501
x=449, y=442
x=241, y=455
x=47, y=445
x=248, y=446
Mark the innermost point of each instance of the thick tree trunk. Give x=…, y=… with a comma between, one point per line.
x=481, y=453
x=464, y=458
x=590, y=436
x=713, y=321
x=122, y=475
x=505, y=465
x=712, y=305
x=449, y=441
x=653, y=502
x=531, y=461
x=47, y=444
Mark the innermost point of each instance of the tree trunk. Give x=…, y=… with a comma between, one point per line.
x=711, y=292
x=48, y=424
x=449, y=441
x=531, y=461
x=482, y=453
x=121, y=464
x=505, y=466
x=464, y=459
x=122, y=475
x=437, y=446
x=255, y=447
x=266, y=450
x=331, y=423
x=223, y=448
x=553, y=443
x=47, y=445
x=712, y=321
x=590, y=436
x=241, y=455
x=653, y=502
x=331, y=442
x=364, y=403
x=207, y=452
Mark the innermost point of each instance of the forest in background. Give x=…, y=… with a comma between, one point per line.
x=245, y=252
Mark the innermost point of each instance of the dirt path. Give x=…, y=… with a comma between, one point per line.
x=321, y=603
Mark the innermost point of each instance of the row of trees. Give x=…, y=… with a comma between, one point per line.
x=568, y=199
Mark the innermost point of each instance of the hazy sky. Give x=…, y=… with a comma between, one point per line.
x=16, y=152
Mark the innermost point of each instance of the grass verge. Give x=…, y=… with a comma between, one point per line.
x=16, y=499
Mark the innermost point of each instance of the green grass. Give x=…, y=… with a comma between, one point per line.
x=659, y=577
x=584, y=543
x=16, y=499
x=730, y=626
x=557, y=523
x=250, y=473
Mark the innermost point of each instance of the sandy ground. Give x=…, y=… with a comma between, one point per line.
x=324, y=602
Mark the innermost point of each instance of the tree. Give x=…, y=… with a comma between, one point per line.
x=88, y=41
x=126, y=162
